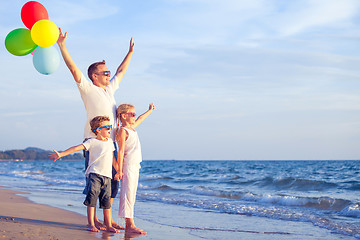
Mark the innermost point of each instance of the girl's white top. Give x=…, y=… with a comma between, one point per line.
x=132, y=152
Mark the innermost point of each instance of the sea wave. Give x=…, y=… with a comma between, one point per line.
x=298, y=184
x=268, y=211
x=323, y=203
x=352, y=210
x=48, y=178
x=161, y=187
x=154, y=177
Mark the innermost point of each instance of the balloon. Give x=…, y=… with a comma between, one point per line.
x=19, y=42
x=46, y=60
x=44, y=33
x=32, y=12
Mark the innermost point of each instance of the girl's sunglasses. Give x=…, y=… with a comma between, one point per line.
x=133, y=114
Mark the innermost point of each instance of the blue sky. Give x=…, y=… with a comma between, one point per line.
x=230, y=79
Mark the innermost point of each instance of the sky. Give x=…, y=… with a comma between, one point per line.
x=230, y=79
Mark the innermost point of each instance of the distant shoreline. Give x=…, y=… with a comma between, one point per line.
x=33, y=153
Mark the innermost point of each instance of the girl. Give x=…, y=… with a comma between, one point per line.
x=129, y=158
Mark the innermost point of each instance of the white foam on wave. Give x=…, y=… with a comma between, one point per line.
x=40, y=176
x=324, y=203
x=153, y=177
x=351, y=211
x=201, y=190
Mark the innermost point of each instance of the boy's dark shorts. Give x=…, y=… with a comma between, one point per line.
x=114, y=188
x=99, y=187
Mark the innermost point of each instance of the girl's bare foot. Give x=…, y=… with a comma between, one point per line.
x=92, y=228
x=112, y=229
x=117, y=226
x=134, y=229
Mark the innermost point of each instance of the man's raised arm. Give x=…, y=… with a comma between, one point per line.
x=75, y=71
x=125, y=63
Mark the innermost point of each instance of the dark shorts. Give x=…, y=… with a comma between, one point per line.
x=99, y=187
x=114, y=183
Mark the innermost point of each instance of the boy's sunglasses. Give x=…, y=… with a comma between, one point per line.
x=105, y=73
x=133, y=114
x=108, y=127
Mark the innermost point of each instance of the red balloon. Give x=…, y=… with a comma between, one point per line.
x=32, y=12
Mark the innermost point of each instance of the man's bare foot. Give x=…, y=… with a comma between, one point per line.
x=100, y=225
x=117, y=226
x=92, y=228
x=134, y=229
x=112, y=230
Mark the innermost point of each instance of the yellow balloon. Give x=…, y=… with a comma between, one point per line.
x=44, y=33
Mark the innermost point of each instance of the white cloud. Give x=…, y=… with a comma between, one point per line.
x=300, y=16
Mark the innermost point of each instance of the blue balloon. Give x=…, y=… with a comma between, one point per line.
x=46, y=60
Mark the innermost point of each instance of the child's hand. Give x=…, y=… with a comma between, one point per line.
x=55, y=155
x=151, y=107
x=118, y=176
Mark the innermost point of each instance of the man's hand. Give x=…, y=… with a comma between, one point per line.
x=62, y=37
x=132, y=44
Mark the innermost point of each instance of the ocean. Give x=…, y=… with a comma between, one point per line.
x=217, y=199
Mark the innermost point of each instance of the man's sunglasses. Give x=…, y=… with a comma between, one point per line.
x=105, y=73
x=108, y=127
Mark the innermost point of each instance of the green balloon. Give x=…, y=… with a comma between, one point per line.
x=19, y=42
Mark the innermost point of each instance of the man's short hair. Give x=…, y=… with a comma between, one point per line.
x=93, y=68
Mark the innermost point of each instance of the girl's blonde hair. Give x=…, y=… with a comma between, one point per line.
x=123, y=108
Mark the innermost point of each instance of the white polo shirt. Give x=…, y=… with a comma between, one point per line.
x=98, y=102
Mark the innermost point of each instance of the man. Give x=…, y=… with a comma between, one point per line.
x=98, y=97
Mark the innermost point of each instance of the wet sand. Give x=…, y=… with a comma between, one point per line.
x=22, y=219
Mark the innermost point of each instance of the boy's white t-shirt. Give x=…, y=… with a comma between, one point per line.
x=98, y=102
x=101, y=155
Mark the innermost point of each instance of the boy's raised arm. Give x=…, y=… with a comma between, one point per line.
x=75, y=71
x=56, y=155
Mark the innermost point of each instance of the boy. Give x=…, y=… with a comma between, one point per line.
x=99, y=170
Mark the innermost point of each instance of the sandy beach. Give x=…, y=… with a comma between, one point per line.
x=22, y=219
